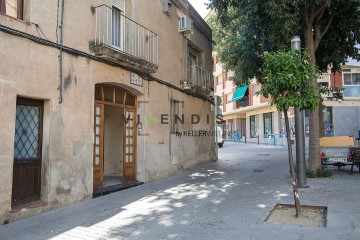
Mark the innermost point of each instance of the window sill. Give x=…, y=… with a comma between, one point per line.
x=35, y=204
x=16, y=19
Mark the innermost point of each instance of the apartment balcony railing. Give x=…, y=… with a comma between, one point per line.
x=244, y=102
x=121, y=40
x=196, y=75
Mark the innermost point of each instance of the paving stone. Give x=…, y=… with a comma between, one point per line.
x=221, y=200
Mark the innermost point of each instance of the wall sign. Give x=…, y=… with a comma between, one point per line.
x=136, y=79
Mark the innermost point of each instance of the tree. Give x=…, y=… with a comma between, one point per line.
x=243, y=30
x=286, y=78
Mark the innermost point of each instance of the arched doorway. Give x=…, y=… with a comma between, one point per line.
x=114, y=158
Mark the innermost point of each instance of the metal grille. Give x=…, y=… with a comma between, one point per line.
x=27, y=132
x=113, y=29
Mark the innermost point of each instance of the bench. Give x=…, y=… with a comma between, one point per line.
x=336, y=151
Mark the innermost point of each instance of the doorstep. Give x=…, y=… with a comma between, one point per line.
x=34, y=204
x=115, y=188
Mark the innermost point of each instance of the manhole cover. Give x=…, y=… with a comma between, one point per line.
x=261, y=154
x=258, y=170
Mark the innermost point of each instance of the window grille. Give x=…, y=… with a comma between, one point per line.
x=27, y=132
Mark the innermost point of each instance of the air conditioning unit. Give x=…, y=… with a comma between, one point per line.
x=167, y=8
x=185, y=25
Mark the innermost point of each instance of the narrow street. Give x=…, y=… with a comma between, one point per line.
x=227, y=199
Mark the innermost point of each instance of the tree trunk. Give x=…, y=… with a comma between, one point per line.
x=321, y=118
x=314, y=143
x=291, y=163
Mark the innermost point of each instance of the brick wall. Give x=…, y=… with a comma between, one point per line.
x=336, y=80
x=234, y=102
x=224, y=75
x=251, y=95
x=224, y=98
x=263, y=99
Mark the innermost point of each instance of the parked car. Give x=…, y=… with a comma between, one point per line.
x=220, y=140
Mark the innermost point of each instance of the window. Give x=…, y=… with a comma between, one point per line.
x=12, y=8
x=328, y=121
x=244, y=102
x=194, y=68
x=351, y=78
x=219, y=79
x=324, y=80
x=323, y=84
x=254, y=126
x=351, y=84
x=229, y=97
x=118, y=24
x=268, y=129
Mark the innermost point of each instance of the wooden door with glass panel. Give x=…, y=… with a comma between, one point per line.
x=98, y=146
x=129, y=163
x=27, y=151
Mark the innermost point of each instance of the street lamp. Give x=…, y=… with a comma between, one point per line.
x=299, y=132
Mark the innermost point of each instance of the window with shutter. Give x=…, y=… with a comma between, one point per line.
x=118, y=24
x=119, y=4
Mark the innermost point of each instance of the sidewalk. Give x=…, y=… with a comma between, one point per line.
x=228, y=199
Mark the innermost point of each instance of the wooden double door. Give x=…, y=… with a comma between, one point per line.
x=129, y=135
x=27, y=151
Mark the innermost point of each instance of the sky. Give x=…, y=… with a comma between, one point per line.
x=200, y=6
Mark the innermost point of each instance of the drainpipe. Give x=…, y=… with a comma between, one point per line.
x=61, y=52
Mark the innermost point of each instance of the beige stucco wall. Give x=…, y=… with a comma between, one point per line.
x=31, y=70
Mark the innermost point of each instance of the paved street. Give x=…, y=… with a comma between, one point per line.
x=228, y=199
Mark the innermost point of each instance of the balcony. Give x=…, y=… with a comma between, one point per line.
x=336, y=95
x=123, y=41
x=196, y=77
x=244, y=102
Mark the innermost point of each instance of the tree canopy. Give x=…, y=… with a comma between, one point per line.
x=243, y=30
x=286, y=78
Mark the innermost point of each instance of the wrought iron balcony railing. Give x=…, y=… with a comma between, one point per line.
x=195, y=75
x=121, y=39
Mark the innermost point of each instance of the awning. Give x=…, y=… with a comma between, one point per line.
x=239, y=93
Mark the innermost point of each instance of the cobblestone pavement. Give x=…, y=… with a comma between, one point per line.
x=227, y=199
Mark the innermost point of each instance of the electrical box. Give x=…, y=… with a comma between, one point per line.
x=174, y=160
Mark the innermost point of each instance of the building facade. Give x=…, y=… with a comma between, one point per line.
x=250, y=117
x=93, y=93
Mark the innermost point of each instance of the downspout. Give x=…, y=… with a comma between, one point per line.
x=61, y=52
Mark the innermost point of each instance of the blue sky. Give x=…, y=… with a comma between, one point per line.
x=200, y=6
